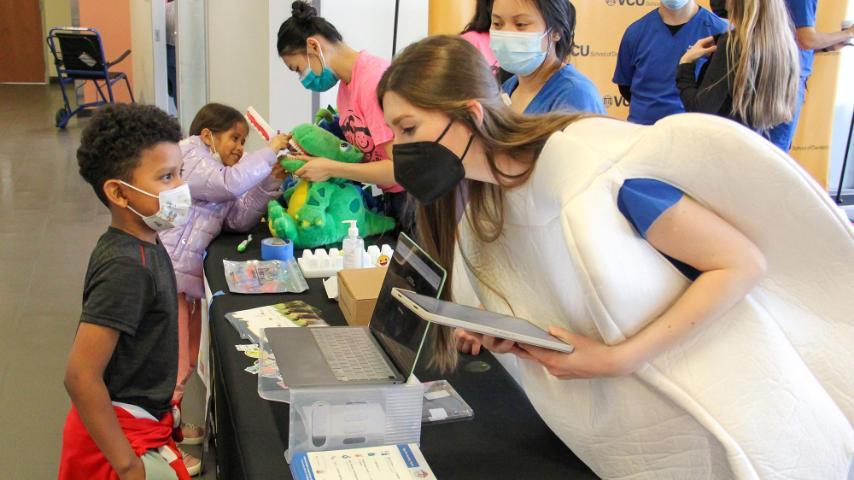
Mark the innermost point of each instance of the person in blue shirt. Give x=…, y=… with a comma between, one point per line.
x=809, y=40
x=532, y=40
x=651, y=49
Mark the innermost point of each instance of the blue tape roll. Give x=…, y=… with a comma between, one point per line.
x=273, y=248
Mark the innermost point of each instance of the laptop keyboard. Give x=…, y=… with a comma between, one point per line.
x=351, y=355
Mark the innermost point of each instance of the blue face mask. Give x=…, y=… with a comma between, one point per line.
x=318, y=83
x=674, y=4
x=520, y=53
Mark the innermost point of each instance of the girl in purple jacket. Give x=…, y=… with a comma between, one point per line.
x=230, y=189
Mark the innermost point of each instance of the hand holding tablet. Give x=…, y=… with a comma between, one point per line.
x=479, y=321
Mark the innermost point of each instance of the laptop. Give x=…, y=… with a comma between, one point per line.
x=385, y=351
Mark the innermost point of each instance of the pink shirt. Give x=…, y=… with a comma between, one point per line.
x=359, y=111
x=481, y=42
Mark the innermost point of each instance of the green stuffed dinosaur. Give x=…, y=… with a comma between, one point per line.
x=316, y=210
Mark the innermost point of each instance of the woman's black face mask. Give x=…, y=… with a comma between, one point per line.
x=428, y=170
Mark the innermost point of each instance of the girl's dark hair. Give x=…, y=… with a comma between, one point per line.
x=217, y=118
x=560, y=18
x=482, y=20
x=303, y=23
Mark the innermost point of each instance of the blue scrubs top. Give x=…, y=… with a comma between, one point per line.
x=647, y=62
x=803, y=15
x=568, y=90
x=642, y=201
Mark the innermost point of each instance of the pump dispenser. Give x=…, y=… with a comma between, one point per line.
x=353, y=246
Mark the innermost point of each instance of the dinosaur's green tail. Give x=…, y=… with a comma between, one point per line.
x=280, y=223
x=376, y=224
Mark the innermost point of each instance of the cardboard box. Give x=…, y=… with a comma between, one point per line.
x=357, y=293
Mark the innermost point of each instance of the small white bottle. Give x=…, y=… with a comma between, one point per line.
x=353, y=247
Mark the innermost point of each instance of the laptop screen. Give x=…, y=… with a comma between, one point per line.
x=399, y=331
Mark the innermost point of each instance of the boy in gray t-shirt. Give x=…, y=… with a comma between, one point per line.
x=123, y=364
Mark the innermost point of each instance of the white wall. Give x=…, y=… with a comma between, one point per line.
x=243, y=65
x=374, y=32
x=842, y=122
x=148, y=43
x=237, y=58
x=55, y=13
x=191, y=45
x=290, y=102
x=842, y=117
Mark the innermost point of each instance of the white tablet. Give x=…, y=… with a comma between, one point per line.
x=477, y=320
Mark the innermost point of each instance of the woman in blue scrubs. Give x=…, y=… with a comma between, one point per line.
x=649, y=51
x=532, y=39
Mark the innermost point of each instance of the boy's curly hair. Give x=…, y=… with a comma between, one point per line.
x=112, y=143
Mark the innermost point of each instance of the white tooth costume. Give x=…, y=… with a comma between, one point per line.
x=767, y=390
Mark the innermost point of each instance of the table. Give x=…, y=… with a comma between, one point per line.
x=506, y=439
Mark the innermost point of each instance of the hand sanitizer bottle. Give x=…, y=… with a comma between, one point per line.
x=353, y=247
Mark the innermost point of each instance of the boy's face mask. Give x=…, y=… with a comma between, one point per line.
x=174, y=207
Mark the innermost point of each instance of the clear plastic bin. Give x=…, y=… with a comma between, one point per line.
x=270, y=384
x=341, y=417
x=443, y=404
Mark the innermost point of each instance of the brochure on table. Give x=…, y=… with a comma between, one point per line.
x=388, y=462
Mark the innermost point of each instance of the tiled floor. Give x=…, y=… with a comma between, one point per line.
x=49, y=222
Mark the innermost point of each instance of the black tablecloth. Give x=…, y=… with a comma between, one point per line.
x=505, y=440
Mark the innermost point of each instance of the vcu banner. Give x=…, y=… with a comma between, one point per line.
x=600, y=27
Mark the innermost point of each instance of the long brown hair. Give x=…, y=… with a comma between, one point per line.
x=763, y=59
x=445, y=73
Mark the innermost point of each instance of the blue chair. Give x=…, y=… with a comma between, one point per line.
x=78, y=54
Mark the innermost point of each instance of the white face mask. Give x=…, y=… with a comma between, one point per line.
x=212, y=148
x=174, y=208
x=520, y=53
x=674, y=4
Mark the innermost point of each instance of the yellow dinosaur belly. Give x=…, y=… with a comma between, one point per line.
x=298, y=199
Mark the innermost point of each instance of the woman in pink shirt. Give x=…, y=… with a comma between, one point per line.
x=313, y=48
x=477, y=33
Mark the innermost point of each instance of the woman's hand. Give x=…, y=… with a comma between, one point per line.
x=279, y=142
x=703, y=48
x=467, y=342
x=316, y=169
x=499, y=345
x=279, y=172
x=590, y=359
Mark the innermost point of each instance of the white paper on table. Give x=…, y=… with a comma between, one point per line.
x=436, y=395
x=389, y=462
x=437, y=414
x=331, y=287
x=260, y=318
